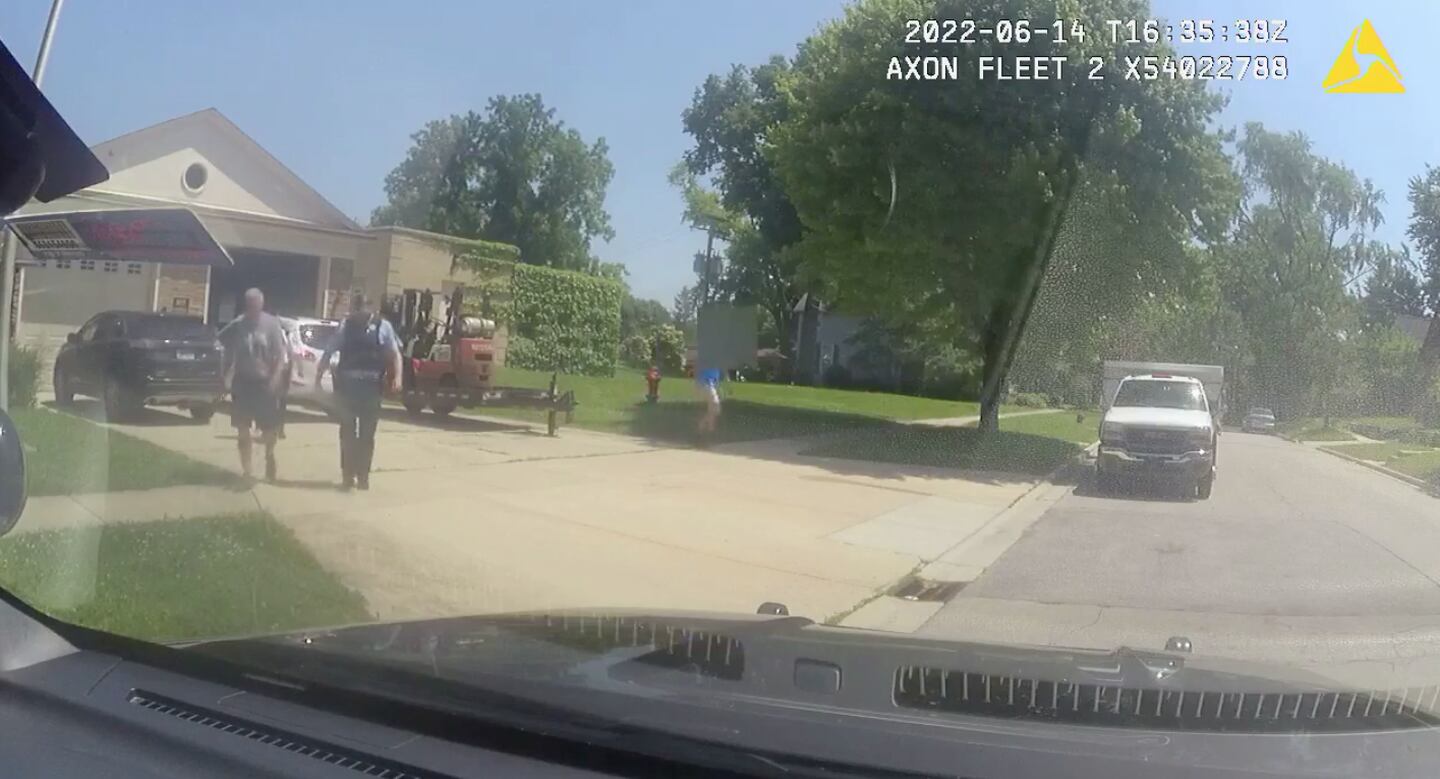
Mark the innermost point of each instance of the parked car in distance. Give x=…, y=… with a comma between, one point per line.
x=308, y=338
x=1259, y=420
x=133, y=359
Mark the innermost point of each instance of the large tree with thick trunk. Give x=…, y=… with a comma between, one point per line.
x=941, y=203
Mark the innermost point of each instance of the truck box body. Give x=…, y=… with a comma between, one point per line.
x=1212, y=376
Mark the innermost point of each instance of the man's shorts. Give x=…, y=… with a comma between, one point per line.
x=252, y=403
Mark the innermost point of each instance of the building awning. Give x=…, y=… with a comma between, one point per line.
x=170, y=235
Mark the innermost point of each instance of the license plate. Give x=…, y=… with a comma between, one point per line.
x=184, y=356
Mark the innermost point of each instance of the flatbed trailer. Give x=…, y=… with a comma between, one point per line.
x=443, y=399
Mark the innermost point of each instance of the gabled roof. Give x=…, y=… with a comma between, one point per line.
x=210, y=134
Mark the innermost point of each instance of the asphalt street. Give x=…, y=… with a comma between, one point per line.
x=1292, y=536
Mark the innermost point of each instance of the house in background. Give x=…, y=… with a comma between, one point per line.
x=825, y=340
x=284, y=237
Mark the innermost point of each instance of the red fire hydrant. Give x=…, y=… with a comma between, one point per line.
x=652, y=380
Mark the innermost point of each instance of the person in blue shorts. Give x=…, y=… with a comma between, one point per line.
x=707, y=383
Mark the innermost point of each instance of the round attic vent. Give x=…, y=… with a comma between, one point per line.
x=195, y=177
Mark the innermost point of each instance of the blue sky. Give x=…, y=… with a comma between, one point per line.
x=300, y=78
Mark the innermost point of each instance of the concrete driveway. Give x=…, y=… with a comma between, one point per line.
x=475, y=515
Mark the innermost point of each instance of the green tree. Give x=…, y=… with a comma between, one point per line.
x=1386, y=360
x=685, y=310
x=1392, y=289
x=513, y=174
x=639, y=316
x=1425, y=232
x=942, y=201
x=412, y=186
x=730, y=119
x=1300, y=240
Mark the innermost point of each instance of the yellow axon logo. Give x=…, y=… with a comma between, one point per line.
x=1364, y=66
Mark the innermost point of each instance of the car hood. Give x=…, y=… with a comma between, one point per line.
x=782, y=696
x=1171, y=418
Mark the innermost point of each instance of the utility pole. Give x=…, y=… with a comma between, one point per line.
x=709, y=261
x=7, y=283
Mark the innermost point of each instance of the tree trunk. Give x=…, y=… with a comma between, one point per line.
x=992, y=374
x=989, y=415
x=807, y=363
x=1429, y=359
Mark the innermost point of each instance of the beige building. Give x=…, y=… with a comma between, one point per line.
x=283, y=236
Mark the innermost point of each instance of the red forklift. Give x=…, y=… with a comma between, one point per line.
x=449, y=361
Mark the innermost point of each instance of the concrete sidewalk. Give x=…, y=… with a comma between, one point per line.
x=489, y=515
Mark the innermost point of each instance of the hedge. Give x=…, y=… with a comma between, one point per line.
x=559, y=320
x=25, y=364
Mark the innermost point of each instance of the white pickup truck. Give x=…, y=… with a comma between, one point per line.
x=1161, y=424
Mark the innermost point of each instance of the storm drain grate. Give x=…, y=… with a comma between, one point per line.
x=916, y=588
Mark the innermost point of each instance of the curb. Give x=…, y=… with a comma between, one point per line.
x=912, y=622
x=1414, y=481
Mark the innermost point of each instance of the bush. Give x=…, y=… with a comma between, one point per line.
x=837, y=376
x=635, y=351
x=638, y=350
x=24, y=374
x=1031, y=399
x=950, y=374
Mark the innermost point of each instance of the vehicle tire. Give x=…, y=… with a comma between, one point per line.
x=64, y=393
x=119, y=405
x=1204, y=487
x=444, y=406
x=414, y=405
x=202, y=412
x=1104, y=481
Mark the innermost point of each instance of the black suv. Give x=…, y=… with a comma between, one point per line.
x=131, y=359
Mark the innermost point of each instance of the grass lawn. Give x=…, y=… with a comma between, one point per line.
x=1080, y=427
x=178, y=579
x=68, y=455
x=1394, y=422
x=1425, y=465
x=1411, y=459
x=1375, y=452
x=1312, y=429
x=751, y=411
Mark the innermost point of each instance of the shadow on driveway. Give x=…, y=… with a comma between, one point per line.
x=457, y=422
x=169, y=416
x=856, y=445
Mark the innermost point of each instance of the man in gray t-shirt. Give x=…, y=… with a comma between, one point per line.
x=255, y=358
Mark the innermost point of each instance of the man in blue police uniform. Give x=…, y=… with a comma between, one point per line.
x=369, y=365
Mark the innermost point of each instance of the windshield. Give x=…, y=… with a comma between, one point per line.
x=167, y=327
x=818, y=307
x=1161, y=394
